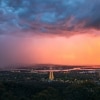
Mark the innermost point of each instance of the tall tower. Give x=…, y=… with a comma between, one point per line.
x=51, y=75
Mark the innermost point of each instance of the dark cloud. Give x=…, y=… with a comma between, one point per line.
x=48, y=16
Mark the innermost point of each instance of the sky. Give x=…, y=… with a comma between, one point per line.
x=50, y=32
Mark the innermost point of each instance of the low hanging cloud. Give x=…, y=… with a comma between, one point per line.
x=48, y=16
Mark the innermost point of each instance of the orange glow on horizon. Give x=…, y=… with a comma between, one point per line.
x=76, y=50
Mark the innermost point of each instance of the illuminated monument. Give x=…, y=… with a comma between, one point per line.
x=51, y=75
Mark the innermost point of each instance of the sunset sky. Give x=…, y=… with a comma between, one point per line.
x=50, y=32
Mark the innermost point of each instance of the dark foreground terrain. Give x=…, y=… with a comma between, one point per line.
x=28, y=86
x=49, y=91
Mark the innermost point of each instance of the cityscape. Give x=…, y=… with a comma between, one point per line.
x=50, y=82
x=52, y=73
x=49, y=49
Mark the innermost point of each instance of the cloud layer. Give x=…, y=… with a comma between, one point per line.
x=48, y=16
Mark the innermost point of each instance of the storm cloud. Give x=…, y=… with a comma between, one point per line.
x=48, y=16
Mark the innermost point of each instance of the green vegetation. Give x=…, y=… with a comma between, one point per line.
x=49, y=91
x=35, y=86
